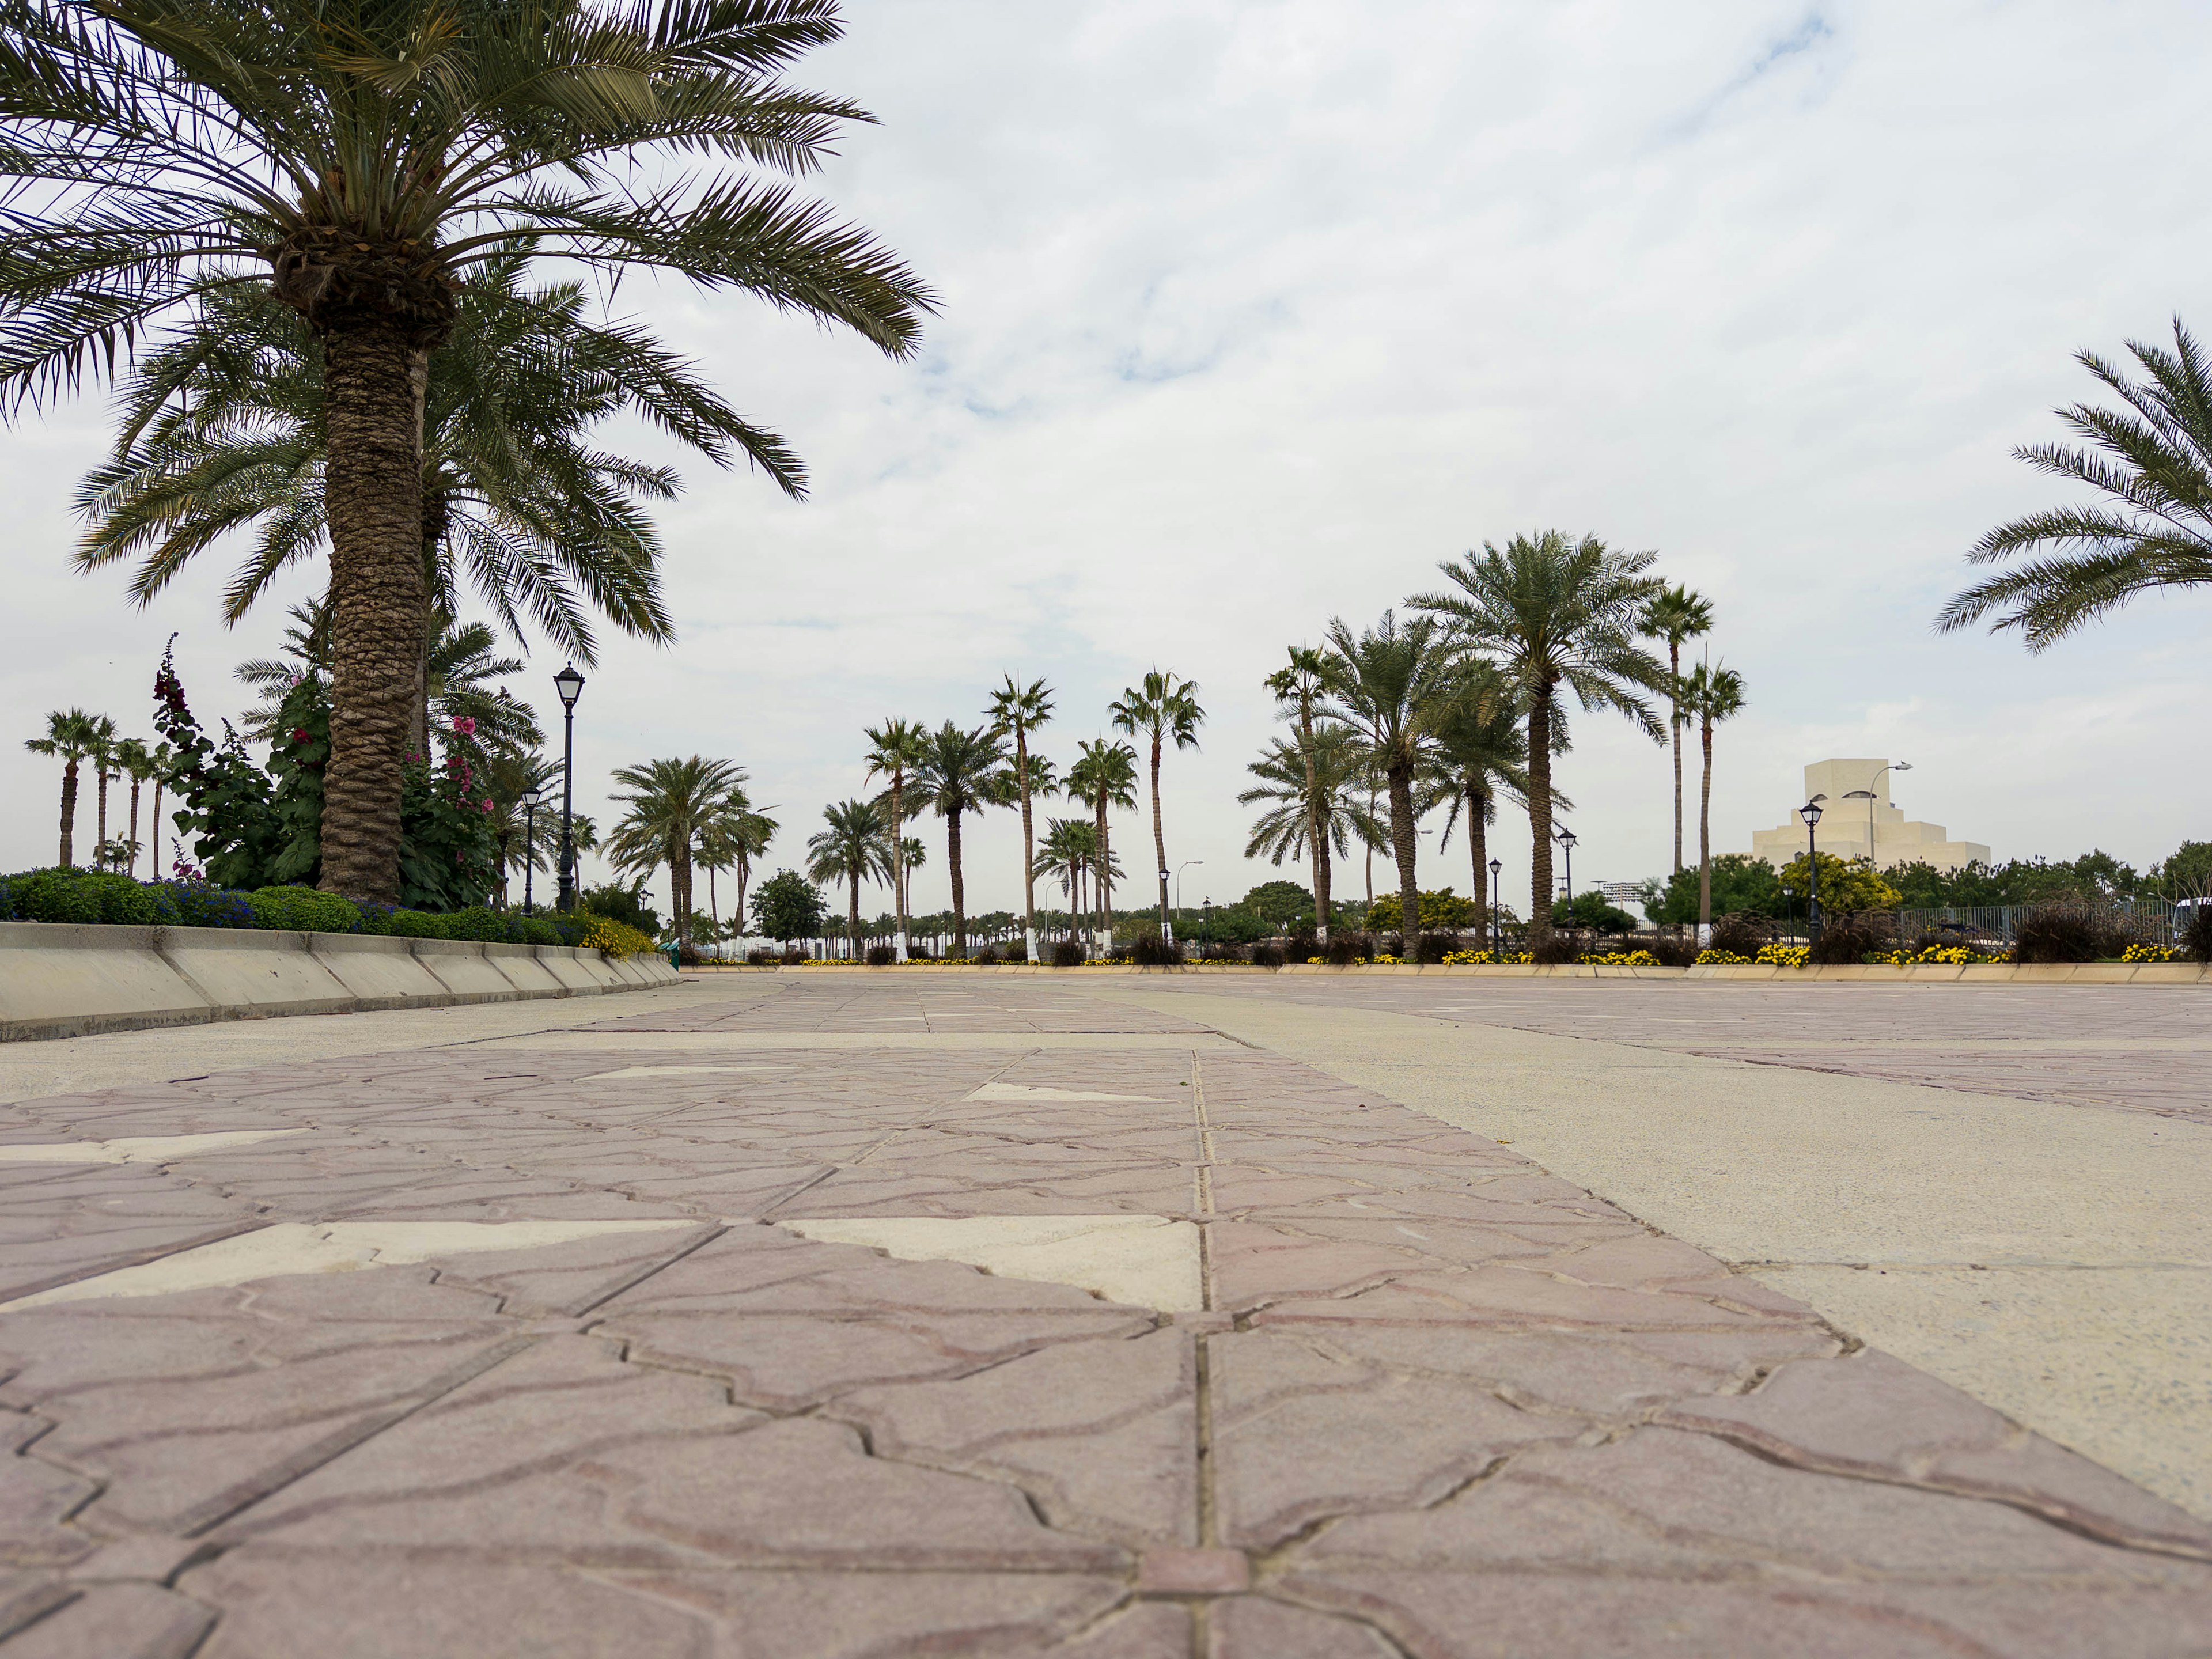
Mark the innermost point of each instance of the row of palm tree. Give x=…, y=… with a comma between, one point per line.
x=322, y=222
x=1465, y=701
x=74, y=737
x=685, y=815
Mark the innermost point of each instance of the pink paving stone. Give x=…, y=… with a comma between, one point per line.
x=118, y=1621
x=1255, y=1627
x=1254, y=1264
x=1194, y=1573
x=1873, y=1415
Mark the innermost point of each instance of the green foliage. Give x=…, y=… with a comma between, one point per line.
x=787, y=906
x=449, y=842
x=626, y=905
x=1279, y=904
x=1741, y=885
x=1856, y=885
x=223, y=800
x=302, y=909
x=2188, y=872
x=2094, y=876
x=56, y=895
x=1232, y=924
x=1588, y=910
x=1439, y=909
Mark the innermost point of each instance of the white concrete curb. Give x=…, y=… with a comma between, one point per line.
x=67, y=980
x=1986, y=973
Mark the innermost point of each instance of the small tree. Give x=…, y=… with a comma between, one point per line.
x=787, y=906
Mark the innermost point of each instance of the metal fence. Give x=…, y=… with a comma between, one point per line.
x=2150, y=920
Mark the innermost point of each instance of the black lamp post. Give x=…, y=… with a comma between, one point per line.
x=1566, y=839
x=531, y=796
x=1496, y=926
x=1810, y=811
x=1205, y=927
x=570, y=684
x=1788, y=912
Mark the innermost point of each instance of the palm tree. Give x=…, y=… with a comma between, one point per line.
x=72, y=737
x=1676, y=615
x=1161, y=709
x=855, y=848
x=103, y=768
x=895, y=749
x=962, y=772
x=142, y=765
x=2152, y=463
x=1394, y=686
x=370, y=159
x=1315, y=781
x=1104, y=776
x=457, y=670
x=1480, y=754
x=1300, y=686
x=1709, y=696
x=527, y=839
x=1016, y=711
x=222, y=427
x=1549, y=611
x=1066, y=851
x=743, y=833
x=669, y=799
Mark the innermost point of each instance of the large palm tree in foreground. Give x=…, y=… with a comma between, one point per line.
x=1163, y=709
x=962, y=772
x=854, y=848
x=1551, y=612
x=1394, y=686
x=1676, y=616
x=2151, y=462
x=367, y=157
x=667, y=803
x=72, y=737
x=895, y=749
x=1709, y=696
x=1016, y=711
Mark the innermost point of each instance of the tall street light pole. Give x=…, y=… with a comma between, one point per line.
x=1180, y=868
x=1497, y=927
x=1810, y=811
x=570, y=684
x=1566, y=839
x=1870, y=795
x=531, y=796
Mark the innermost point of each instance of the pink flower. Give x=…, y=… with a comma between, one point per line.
x=300, y=734
x=465, y=726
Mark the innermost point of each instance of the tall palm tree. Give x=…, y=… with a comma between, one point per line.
x=1314, y=783
x=668, y=802
x=370, y=158
x=1300, y=688
x=1104, y=776
x=527, y=839
x=963, y=772
x=1068, y=850
x=744, y=833
x=1709, y=696
x=1549, y=611
x=1016, y=711
x=1481, y=755
x=1394, y=686
x=855, y=848
x=103, y=768
x=72, y=737
x=895, y=749
x=2151, y=462
x=1676, y=615
x=1163, y=708
x=138, y=761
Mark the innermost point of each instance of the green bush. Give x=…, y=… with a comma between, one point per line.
x=539, y=930
x=303, y=909
x=416, y=924
x=477, y=923
x=53, y=895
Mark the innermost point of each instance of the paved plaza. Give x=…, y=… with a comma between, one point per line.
x=828, y=1314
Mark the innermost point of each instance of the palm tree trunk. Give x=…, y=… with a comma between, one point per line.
x=959, y=892
x=1101, y=887
x=154, y=836
x=1705, y=833
x=1315, y=827
x=679, y=882
x=1159, y=840
x=374, y=369
x=1540, y=813
x=1370, y=852
x=68, y=814
x=852, y=917
x=714, y=910
x=134, y=829
x=1029, y=847
x=745, y=870
x=1478, y=843
x=100, y=838
x=1403, y=846
x=1674, y=674
x=898, y=858
x=1321, y=888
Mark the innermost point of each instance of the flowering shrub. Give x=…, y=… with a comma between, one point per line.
x=1723, y=959
x=615, y=938
x=2150, y=953
x=1935, y=956
x=1783, y=956
x=1486, y=958
x=1620, y=959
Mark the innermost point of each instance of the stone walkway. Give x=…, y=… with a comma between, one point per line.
x=972, y=1316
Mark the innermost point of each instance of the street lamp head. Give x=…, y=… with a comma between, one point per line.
x=1900, y=766
x=1566, y=837
x=1810, y=811
x=533, y=795
x=1861, y=795
x=570, y=684
x=1789, y=892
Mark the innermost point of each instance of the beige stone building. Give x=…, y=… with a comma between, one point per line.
x=1862, y=829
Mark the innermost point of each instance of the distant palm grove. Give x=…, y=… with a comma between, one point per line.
x=308, y=243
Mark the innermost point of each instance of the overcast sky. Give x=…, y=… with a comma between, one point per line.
x=1254, y=313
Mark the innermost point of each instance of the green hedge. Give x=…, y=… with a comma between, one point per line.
x=63, y=894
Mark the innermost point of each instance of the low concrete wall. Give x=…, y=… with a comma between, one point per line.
x=61, y=980
x=1986, y=973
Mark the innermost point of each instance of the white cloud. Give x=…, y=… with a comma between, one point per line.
x=1254, y=311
